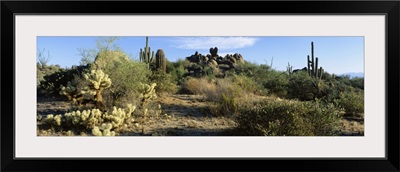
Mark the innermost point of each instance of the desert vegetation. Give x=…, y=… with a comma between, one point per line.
x=113, y=94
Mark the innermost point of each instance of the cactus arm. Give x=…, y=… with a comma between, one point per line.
x=316, y=67
x=312, y=57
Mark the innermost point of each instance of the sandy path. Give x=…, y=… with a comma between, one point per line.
x=188, y=117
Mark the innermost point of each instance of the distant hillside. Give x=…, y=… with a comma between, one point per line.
x=353, y=74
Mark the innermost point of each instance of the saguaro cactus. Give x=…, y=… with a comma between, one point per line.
x=312, y=65
x=289, y=69
x=145, y=55
x=161, y=62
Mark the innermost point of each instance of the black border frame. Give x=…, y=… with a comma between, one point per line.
x=10, y=8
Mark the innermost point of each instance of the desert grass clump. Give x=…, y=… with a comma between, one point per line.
x=288, y=118
x=226, y=97
x=198, y=86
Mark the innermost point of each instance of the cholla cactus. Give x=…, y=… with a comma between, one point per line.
x=147, y=92
x=57, y=120
x=49, y=119
x=39, y=118
x=129, y=110
x=158, y=111
x=98, y=81
x=71, y=91
x=95, y=118
x=118, y=116
x=73, y=118
x=53, y=120
x=103, y=130
x=86, y=118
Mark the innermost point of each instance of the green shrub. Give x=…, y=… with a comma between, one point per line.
x=300, y=86
x=177, y=70
x=352, y=102
x=252, y=70
x=50, y=86
x=126, y=78
x=199, y=86
x=357, y=83
x=245, y=83
x=165, y=83
x=276, y=83
x=288, y=118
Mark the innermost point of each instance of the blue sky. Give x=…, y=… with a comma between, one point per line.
x=336, y=54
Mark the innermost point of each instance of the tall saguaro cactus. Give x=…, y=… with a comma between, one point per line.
x=145, y=55
x=289, y=69
x=161, y=62
x=312, y=65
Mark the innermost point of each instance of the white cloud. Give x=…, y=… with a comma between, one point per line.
x=205, y=43
x=225, y=53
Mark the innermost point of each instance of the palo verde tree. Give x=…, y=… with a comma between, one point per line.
x=103, y=44
x=43, y=58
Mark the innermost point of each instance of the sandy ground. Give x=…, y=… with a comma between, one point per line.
x=182, y=115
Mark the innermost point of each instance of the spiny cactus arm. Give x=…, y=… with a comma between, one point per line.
x=148, y=91
x=312, y=60
x=151, y=57
x=316, y=67
x=308, y=65
x=88, y=90
x=70, y=90
x=54, y=120
x=141, y=55
x=98, y=79
x=49, y=118
x=129, y=110
x=96, y=131
x=106, y=126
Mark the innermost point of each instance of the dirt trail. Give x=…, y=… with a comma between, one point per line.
x=187, y=117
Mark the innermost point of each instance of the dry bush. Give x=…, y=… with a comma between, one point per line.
x=199, y=86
